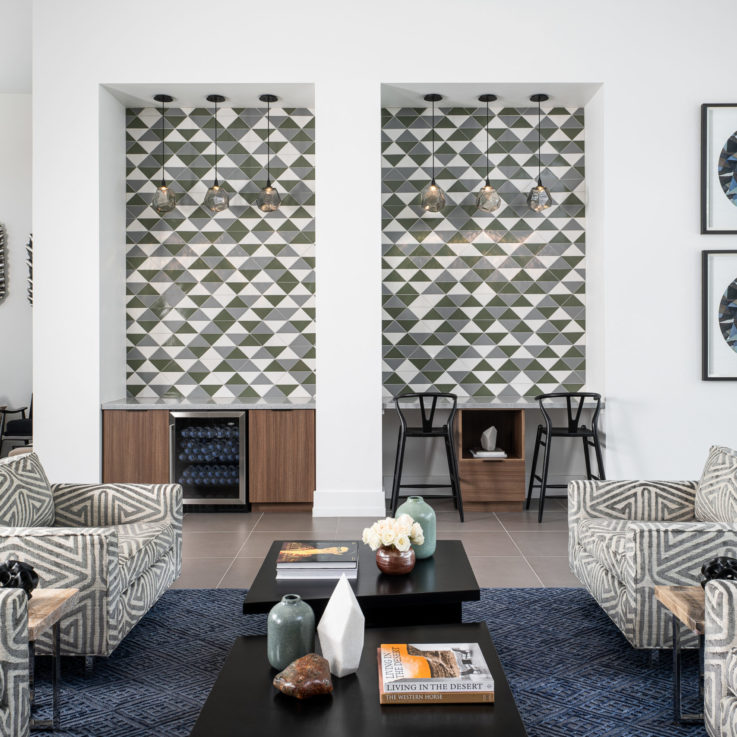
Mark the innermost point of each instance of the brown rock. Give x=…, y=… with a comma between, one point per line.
x=305, y=677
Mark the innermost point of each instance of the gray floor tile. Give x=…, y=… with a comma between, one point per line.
x=541, y=543
x=220, y=522
x=241, y=573
x=482, y=543
x=202, y=573
x=474, y=522
x=553, y=520
x=502, y=571
x=212, y=544
x=297, y=521
x=554, y=571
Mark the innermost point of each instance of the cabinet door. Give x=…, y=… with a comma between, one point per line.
x=281, y=455
x=135, y=446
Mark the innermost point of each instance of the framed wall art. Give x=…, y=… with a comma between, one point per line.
x=719, y=168
x=719, y=315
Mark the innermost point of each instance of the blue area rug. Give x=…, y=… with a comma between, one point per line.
x=572, y=673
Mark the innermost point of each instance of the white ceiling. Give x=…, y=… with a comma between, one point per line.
x=236, y=95
x=510, y=94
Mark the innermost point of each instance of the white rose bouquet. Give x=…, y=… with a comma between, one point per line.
x=400, y=533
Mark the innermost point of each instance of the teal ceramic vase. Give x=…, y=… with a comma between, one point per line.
x=290, y=631
x=420, y=511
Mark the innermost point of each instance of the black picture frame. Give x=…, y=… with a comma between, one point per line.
x=707, y=188
x=708, y=318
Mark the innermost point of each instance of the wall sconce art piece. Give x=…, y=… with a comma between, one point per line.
x=433, y=198
x=163, y=200
x=29, y=264
x=3, y=288
x=216, y=199
x=268, y=199
x=488, y=199
x=539, y=198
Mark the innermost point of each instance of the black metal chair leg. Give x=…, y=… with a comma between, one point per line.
x=544, y=480
x=453, y=471
x=398, y=463
x=599, y=458
x=533, y=471
x=587, y=457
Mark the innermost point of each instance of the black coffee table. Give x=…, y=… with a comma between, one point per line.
x=243, y=703
x=432, y=593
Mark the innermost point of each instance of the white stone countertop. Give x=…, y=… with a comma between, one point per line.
x=235, y=403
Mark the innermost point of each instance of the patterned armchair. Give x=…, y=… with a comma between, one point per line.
x=625, y=537
x=15, y=705
x=120, y=544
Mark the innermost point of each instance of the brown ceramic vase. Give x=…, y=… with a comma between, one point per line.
x=394, y=562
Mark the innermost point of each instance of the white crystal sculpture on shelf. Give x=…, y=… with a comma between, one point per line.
x=488, y=438
x=341, y=630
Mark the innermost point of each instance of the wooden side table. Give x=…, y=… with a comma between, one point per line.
x=45, y=610
x=686, y=605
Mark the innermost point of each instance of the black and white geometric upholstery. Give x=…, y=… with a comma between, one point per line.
x=625, y=537
x=120, y=544
x=15, y=702
x=720, y=659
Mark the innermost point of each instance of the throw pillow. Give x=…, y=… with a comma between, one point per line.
x=25, y=493
x=716, y=494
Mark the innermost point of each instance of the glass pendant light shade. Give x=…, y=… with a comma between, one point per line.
x=216, y=199
x=164, y=199
x=433, y=198
x=268, y=198
x=539, y=197
x=488, y=198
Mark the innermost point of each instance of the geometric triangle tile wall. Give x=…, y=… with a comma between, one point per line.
x=220, y=305
x=483, y=304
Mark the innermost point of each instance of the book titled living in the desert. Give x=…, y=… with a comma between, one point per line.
x=303, y=554
x=434, y=673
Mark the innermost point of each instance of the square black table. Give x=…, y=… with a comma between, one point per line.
x=243, y=702
x=432, y=593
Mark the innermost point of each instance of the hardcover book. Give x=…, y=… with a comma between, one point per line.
x=434, y=673
x=303, y=554
x=316, y=574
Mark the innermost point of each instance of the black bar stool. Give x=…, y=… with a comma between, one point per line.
x=427, y=430
x=574, y=406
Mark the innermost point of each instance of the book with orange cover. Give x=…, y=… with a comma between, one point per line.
x=434, y=673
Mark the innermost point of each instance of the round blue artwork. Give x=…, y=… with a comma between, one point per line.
x=728, y=167
x=728, y=315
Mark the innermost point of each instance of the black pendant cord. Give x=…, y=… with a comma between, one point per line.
x=268, y=145
x=487, y=144
x=539, y=147
x=163, y=147
x=216, y=146
x=433, y=141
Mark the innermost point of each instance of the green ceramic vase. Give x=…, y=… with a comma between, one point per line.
x=290, y=631
x=420, y=511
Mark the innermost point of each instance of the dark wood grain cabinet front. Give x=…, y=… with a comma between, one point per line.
x=281, y=456
x=135, y=446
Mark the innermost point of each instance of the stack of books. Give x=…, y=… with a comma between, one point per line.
x=317, y=560
x=480, y=453
x=434, y=673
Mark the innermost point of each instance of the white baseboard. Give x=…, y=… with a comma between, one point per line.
x=349, y=504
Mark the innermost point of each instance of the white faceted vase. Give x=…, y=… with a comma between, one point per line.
x=341, y=630
x=488, y=438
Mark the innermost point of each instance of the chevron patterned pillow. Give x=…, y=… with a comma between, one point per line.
x=716, y=494
x=25, y=494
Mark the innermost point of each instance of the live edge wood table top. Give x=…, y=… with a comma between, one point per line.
x=432, y=593
x=243, y=701
x=46, y=607
x=686, y=603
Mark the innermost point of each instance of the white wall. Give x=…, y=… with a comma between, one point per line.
x=658, y=61
x=15, y=216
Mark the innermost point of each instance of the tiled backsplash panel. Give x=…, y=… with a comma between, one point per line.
x=474, y=303
x=221, y=305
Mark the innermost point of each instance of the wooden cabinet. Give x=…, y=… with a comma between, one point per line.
x=491, y=483
x=135, y=446
x=281, y=456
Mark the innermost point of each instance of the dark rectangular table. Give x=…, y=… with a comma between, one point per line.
x=432, y=593
x=243, y=702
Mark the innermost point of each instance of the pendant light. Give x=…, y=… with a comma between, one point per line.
x=268, y=199
x=163, y=200
x=488, y=198
x=539, y=197
x=433, y=198
x=216, y=199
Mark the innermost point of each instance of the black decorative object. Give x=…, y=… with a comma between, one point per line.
x=721, y=568
x=718, y=168
x=719, y=315
x=3, y=289
x=14, y=574
x=29, y=264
